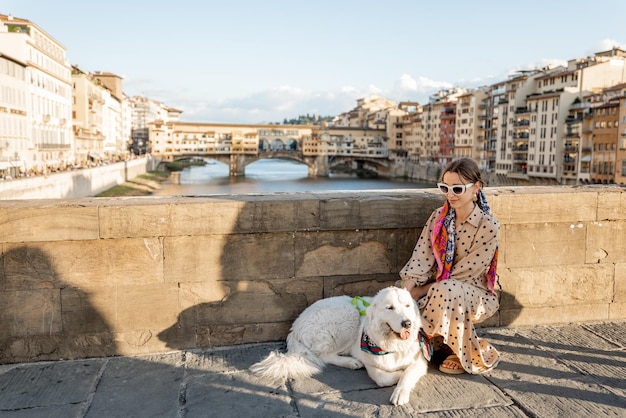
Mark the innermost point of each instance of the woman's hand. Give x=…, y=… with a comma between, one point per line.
x=418, y=292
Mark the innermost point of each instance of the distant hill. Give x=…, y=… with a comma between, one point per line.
x=308, y=120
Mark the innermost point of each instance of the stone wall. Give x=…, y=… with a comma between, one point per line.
x=72, y=184
x=107, y=276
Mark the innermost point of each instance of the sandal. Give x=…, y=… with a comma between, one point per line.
x=457, y=367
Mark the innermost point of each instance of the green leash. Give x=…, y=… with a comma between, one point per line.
x=355, y=302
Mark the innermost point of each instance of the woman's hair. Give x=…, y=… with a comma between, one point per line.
x=466, y=168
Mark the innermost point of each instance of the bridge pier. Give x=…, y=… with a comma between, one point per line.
x=318, y=166
x=237, y=166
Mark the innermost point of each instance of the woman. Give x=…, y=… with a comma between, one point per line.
x=452, y=271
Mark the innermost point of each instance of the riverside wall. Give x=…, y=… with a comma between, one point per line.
x=122, y=276
x=84, y=182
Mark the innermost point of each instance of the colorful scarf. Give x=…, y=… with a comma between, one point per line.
x=443, y=237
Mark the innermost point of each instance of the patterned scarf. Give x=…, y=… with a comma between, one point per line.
x=444, y=235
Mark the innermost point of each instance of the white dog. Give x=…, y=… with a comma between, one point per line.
x=386, y=338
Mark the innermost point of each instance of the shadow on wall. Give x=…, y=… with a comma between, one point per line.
x=41, y=316
x=257, y=292
x=256, y=298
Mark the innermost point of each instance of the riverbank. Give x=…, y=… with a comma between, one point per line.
x=142, y=185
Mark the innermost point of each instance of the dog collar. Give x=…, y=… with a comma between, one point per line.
x=426, y=345
x=370, y=347
x=360, y=304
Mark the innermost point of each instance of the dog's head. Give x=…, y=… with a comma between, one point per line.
x=392, y=320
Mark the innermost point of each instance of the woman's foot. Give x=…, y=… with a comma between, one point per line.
x=451, y=365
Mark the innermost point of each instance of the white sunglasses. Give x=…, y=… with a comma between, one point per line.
x=457, y=189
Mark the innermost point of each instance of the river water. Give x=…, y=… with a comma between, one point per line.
x=270, y=176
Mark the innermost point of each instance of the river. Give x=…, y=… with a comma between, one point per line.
x=270, y=176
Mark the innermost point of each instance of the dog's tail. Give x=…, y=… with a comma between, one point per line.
x=296, y=362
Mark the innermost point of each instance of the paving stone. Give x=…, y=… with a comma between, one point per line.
x=139, y=386
x=536, y=374
x=48, y=384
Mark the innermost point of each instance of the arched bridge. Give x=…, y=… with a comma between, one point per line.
x=318, y=165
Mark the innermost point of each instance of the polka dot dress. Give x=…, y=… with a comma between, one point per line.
x=453, y=306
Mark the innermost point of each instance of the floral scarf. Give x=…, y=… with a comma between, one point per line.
x=443, y=237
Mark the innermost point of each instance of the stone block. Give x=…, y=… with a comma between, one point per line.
x=397, y=210
x=405, y=240
x=30, y=313
x=544, y=244
x=79, y=313
x=84, y=263
x=329, y=254
x=143, y=307
x=620, y=283
x=28, y=266
x=360, y=285
x=276, y=213
x=245, y=304
x=543, y=204
x=21, y=222
x=612, y=206
x=192, y=294
x=617, y=311
x=224, y=335
x=145, y=341
x=606, y=243
x=229, y=257
x=339, y=212
x=135, y=220
x=563, y=314
x=559, y=285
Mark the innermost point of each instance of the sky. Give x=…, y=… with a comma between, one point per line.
x=251, y=61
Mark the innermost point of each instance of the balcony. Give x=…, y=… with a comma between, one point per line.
x=521, y=123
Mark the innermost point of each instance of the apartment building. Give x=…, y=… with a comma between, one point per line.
x=578, y=139
x=370, y=112
x=88, y=100
x=605, y=134
x=144, y=111
x=412, y=140
x=447, y=131
x=469, y=140
x=37, y=77
x=440, y=105
x=620, y=157
x=15, y=144
x=116, y=119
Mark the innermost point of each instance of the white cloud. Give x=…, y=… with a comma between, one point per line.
x=273, y=105
x=605, y=45
x=285, y=102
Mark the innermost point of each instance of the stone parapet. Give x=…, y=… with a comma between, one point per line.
x=123, y=276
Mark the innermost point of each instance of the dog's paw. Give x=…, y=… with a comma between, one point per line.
x=400, y=396
x=354, y=364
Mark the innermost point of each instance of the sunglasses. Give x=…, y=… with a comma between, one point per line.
x=457, y=189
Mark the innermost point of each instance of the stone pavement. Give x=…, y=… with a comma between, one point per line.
x=546, y=371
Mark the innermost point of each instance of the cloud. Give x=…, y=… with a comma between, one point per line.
x=267, y=106
x=605, y=45
x=285, y=102
x=416, y=88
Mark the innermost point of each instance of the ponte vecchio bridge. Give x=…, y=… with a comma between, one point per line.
x=319, y=148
